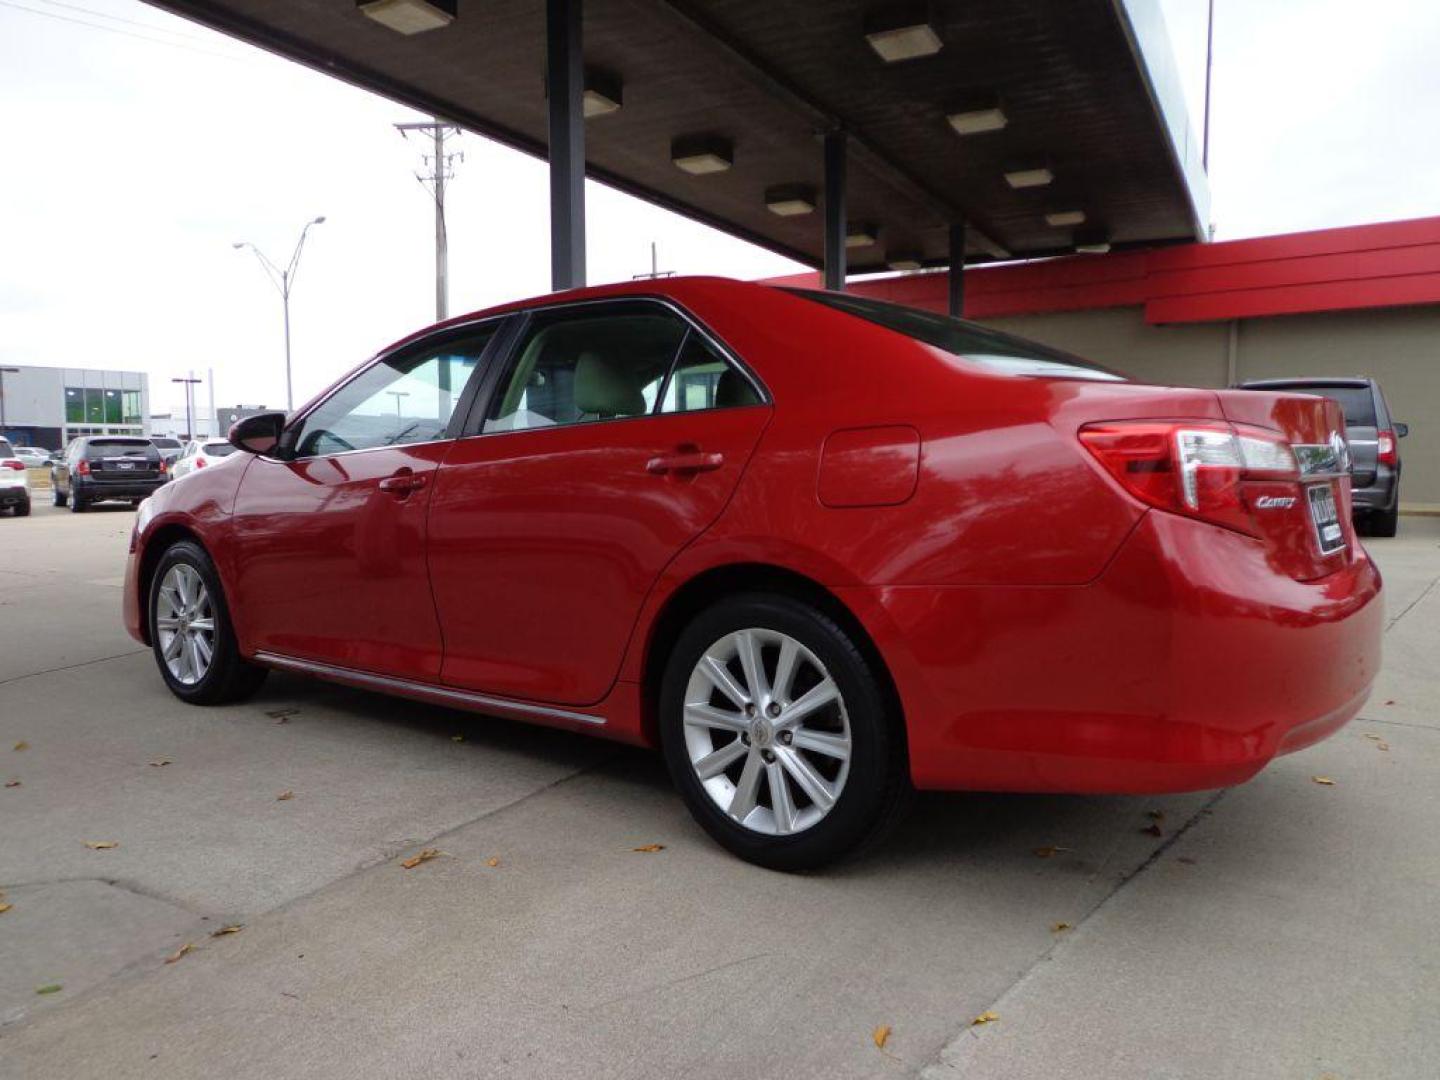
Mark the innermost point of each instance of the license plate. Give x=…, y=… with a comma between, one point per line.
x=124, y=464
x=1327, y=519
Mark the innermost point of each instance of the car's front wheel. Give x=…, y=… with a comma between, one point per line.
x=191, y=633
x=779, y=734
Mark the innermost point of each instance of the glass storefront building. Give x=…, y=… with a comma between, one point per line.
x=48, y=407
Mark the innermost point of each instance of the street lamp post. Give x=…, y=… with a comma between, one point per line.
x=3, y=372
x=284, y=280
x=189, y=410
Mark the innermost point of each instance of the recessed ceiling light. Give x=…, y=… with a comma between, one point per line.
x=1092, y=242
x=902, y=32
x=790, y=200
x=978, y=120
x=409, y=16
x=1063, y=218
x=699, y=155
x=1032, y=176
x=904, y=262
x=860, y=235
x=603, y=94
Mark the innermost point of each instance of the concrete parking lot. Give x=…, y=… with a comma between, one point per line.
x=1286, y=928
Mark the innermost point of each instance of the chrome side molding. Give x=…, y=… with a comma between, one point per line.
x=440, y=695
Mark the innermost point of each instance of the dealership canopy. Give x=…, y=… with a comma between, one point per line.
x=832, y=131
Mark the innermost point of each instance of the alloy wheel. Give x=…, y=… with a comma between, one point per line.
x=185, y=624
x=766, y=731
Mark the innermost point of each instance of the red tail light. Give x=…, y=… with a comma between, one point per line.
x=83, y=467
x=13, y=463
x=1388, y=450
x=199, y=462
x=1193, y=468
x=164, y=468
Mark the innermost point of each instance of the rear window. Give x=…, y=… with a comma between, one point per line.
x=219, y=449
x=1000, y=353
x=1357, y=402
x=166, y=444
x=6, y=450
x=120, y=448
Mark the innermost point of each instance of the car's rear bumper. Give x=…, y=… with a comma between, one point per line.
x=1188, y=664
x=14, y=495
x=1380, y=495
x=110, y=489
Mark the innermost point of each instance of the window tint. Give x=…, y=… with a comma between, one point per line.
x=400, y=400
x=166, y=444
x=100, y=448
x=1357, y=402
x=704, y=379
x=219, y=449
x=999, y=352
x=584, y=364
x=6, y=451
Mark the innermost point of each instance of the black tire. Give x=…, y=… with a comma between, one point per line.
x=77, y=504
x=876, y=790
x=230, y=677
x=22, y=509
x=1385, y=522
x=56, y=495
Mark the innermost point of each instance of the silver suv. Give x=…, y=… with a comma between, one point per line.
x=1374, y=444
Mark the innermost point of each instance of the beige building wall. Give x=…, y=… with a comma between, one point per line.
x=1398, y=346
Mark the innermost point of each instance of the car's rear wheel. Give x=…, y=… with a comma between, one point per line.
x=22, y=508
x=56, y=495
x=191, y=633
x=77, y=504
x=1385, y=522
x=778, y=733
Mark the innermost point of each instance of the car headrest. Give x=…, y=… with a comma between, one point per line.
x=732, y=390
x=605, y=389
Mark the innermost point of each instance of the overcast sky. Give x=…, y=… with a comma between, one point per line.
x=139, y=147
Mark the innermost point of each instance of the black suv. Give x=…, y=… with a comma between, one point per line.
x=99, y=467
x=1374, y=444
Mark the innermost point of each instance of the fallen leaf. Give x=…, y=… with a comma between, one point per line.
x=1186, y=859
x=1060, y=927
x=1153, y=829
x=101, y=845
x=1382, y=745
x=4, y=907
x=457, y=738
x=1323, y=780
x=881, y=1035
x=424, y=856
x=178, y=953
x=1049, y=851
x=282, y=719
x=985, y=1018
x=22, y=745
x=1372, y=738
x=12, y=783
x=160, y=763
x=1155, y=815
x=649, y=847
x=1390, y=702
x=233, y=928
x=285, y=796
x=53, y=988
x=492, y=861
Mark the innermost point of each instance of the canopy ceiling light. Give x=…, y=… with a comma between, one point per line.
x=902, y=32
x=790, y=200
x=1092, y=242
x=904, y=262
x=699, y=155
x=1029, y=176
x=977, y=116
x=858, y=235
x=409, y=16
x=604, y=93
x=1064, y=218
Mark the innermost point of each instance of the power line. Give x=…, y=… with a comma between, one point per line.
x=121, y=19
x=124, y=33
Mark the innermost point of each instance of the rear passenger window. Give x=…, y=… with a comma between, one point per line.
x=612, y=362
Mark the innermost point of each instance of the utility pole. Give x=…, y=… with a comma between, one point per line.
x=441, y=169
x=284, y=280
x=3, y=372
x=1209, y=75
x=189, y=408
x=655, y=271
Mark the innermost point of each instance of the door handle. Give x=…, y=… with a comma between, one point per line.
x=685, y=462
x=402, y=483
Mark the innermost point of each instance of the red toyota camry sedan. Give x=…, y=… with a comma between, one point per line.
x=818, y=549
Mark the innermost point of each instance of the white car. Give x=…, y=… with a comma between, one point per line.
x=199, y=453
x=14, y=481
x=35, y=457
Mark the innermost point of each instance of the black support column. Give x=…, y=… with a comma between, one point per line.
x=957, y=269
x=565, y=74
x=835, y=210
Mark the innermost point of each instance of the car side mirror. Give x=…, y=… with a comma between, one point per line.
x=1401, y=430
x=259, y=434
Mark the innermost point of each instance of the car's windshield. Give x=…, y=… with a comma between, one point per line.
x=991, y=349
x=166, y=444
x=219, y=449
x=119, y=448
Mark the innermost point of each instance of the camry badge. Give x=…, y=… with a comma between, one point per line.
x=1274, y=502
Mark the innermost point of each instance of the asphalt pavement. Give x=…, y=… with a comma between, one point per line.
x=1283, y=929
